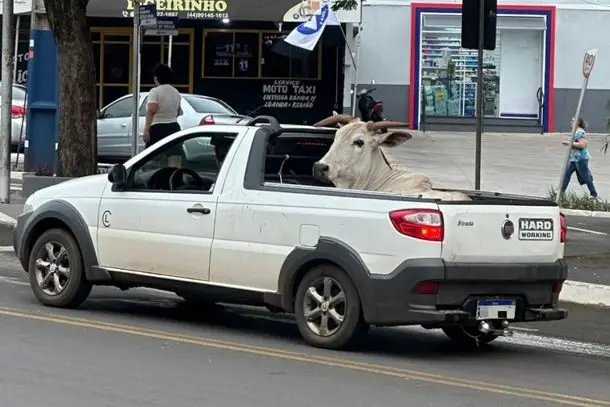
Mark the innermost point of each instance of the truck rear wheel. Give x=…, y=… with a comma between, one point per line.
x=327, y=308
x=468, y=335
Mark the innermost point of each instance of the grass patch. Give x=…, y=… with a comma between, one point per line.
x=571, y=200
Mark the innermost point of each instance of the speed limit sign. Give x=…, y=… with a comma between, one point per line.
x=588, y=62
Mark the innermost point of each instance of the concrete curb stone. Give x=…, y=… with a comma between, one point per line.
x=579, y=212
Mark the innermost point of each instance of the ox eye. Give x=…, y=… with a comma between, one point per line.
x=359, y=143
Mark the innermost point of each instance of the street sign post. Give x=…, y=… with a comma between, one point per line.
x=145, y=15
x=587, y=67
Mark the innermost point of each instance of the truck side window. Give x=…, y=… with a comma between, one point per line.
x=195, y=153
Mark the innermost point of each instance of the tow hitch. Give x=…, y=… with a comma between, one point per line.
x=503, y=330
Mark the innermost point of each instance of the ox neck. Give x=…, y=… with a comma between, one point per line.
x=379, y=174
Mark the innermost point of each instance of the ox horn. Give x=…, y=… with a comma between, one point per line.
x=384, y=125
x=334, y=120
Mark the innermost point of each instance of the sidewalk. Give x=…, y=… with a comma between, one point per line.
x=526, y=164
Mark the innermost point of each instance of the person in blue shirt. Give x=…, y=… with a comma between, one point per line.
x=579, y=159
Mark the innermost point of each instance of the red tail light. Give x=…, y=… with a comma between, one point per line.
x=426, y=288
x=17, y=111
x=207, y=120
x=557, y=286
x=424, y=224
x=564, y=228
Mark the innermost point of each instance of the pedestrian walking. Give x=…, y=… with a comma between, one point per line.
x=579, y=159
x=162, y=108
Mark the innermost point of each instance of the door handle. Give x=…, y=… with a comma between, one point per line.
x=123, y=124
x=198, y=209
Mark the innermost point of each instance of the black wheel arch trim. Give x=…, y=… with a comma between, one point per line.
x=328, y=250
x=66, y=213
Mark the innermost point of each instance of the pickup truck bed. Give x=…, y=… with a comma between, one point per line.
x=260, y=229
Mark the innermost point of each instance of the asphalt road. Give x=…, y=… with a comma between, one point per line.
x=144, y=348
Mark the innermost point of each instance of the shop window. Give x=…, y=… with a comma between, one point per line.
x=252, y=54
x=181, y=56
x=274, y=65
x=218, y=54
x=150, y=56
x=281, y=60
x=246, y=58
x=116, y=63
x=449, y=74
x=97, y=51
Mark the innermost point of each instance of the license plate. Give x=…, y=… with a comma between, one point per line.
x=496, y=309
x=535, y=229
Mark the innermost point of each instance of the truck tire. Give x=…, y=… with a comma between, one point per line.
x=56, y=271
x=327, y=308
x=468, y=335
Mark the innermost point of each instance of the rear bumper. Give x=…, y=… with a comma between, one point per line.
x=390, y=300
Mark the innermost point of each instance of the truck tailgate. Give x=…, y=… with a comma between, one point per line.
x=481, y=233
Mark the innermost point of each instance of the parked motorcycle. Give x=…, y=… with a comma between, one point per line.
x=369, y=108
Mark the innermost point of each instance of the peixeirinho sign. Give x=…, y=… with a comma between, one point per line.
x=235, y=10
x=192, y=9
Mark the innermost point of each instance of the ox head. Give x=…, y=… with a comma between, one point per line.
x=355, y=155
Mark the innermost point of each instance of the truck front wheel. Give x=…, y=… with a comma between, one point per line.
x=56, y=272
x=327, y=308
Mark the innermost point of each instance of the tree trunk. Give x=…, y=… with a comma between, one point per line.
x=77, y=140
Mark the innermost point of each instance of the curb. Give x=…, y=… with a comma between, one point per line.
x=579, y=212
x=578, y=292
x=7, y=220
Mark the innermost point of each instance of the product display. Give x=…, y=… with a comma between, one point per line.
x=449, y=75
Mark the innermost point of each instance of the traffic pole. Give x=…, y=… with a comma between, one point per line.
x=135, y=78
x=8, y=47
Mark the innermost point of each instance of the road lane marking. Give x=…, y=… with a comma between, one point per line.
x=12, y=280
x=593, y=232
x=405, y=374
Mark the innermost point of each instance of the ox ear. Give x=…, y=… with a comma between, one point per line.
x=392, y=139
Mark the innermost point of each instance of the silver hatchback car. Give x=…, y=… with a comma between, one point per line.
x=114, y=122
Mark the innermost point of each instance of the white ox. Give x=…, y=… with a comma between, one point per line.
x=355, y=160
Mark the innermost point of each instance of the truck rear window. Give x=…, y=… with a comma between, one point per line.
x=293, y=155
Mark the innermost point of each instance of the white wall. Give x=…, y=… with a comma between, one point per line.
x=386, y=45
x=577, y=31
x=580, y=25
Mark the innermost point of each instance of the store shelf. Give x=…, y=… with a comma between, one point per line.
x=456, y=95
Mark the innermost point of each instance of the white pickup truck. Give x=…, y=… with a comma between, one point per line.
x=232, y=214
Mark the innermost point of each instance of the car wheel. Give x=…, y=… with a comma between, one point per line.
x=468, y=335
x=327, y=308
x=56, y=270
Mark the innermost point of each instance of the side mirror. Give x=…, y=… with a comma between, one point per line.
x=100, y=115
x=117, y=175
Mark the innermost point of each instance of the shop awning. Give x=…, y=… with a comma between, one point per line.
x=236, y=10
x=504, y=22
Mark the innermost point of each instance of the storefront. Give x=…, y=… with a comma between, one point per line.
x=227, y=49
x=517, y=75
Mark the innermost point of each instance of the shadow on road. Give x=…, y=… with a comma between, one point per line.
x=262, y=325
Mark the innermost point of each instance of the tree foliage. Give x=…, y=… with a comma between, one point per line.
x=345, y=5
x=77, y=140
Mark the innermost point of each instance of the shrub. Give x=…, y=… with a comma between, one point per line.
x=571, y=200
